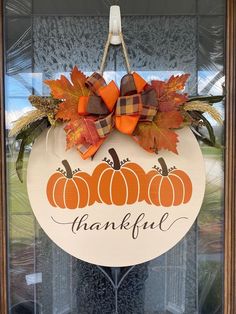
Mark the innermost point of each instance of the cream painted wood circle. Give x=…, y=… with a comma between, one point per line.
x=113, y=235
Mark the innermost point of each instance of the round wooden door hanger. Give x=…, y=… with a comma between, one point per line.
x=121, y=208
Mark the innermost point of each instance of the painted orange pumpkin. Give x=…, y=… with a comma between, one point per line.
x=168, y=187
x=67, y=189
x=119, y=183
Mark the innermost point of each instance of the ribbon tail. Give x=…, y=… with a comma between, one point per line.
x=89, y=151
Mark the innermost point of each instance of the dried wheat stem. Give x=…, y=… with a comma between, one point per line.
x=203, y=107
x=26, y=120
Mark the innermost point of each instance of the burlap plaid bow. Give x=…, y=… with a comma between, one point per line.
x=109, y=107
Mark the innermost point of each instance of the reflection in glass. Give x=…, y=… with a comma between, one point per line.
x=45, y=279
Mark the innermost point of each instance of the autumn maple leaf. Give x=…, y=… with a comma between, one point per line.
x=81, y=131
x=169, y=120
x=74, y=131
x=90, y=133
x=176, y=83
x=167, y=92
x=69, y=92
x=159, y=134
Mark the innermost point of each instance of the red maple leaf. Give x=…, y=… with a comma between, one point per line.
x=81, y=131
x=74, y=131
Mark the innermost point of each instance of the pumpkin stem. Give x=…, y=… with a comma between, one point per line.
x=69, y=173
x=163, y=166
x=114, y=156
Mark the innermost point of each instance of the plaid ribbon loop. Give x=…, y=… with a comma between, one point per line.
x=136, y=101
x=144, y=104
x=95, y=82
x=105, y=125
x=127, y=85
x=150, y=105
x=98, y=105
x=129, y=105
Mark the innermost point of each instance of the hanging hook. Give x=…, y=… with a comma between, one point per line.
x=115, y=25
x=115, y=37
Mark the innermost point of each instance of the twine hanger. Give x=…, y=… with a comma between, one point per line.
x=109, y=39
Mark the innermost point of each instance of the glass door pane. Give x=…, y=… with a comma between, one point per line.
x=44, y=39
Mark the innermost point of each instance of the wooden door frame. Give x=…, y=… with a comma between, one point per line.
x=230, y=163
x=3, y=208
x=230, y=170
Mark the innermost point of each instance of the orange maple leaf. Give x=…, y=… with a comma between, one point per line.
x=168, y=98
x=70, y=92
x=169, y=120
x=159, y=134
x=176, y=83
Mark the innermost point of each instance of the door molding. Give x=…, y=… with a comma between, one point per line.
x=230, y=163
x=3, y=216
x=230, y=170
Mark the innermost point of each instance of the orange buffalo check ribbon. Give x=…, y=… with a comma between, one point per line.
x=103, y=99
x=137, y=102
x=109, y=107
